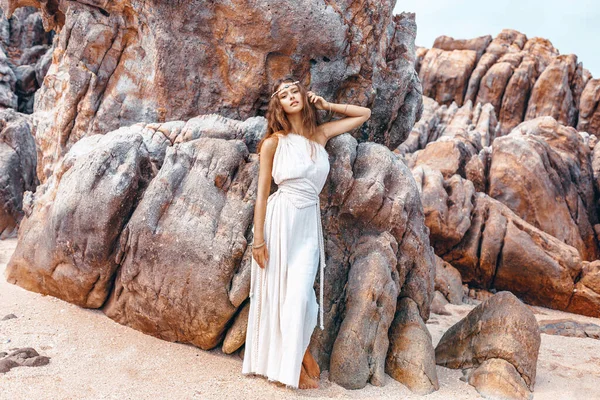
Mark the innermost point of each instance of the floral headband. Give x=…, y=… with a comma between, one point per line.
x=285, y=87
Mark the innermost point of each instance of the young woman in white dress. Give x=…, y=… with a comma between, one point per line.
x=288, y=244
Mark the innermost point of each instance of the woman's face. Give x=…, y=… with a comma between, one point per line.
x=290, y=98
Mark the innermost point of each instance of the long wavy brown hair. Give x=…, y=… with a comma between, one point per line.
x=277, y=119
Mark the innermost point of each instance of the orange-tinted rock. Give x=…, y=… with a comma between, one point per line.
x=555, y=92
x=542, y=171
x=498, y=343
x=448, y=281
x=589, y=108
x=478, y=44
x=445, y=74
x=586, y=296
x=108, y=72
x=522, y=78
x=411, y=358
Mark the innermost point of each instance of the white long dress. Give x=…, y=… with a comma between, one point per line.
x=283, y=306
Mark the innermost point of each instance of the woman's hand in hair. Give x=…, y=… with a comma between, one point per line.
x=319, y=102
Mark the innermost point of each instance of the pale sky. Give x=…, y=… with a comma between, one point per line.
x=572, y=26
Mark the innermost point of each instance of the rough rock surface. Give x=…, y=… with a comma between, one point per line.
x=523, y=78
x=411, y=359
x=373, y=220
x=172, y=212
x=23, y=42
x=17, y=167
x=68, y=241
x=542, y=171
x=477, y=125
x=209, y=184
x=589, y=108
x=448, y=281
x=489, y=244
x=108, y=72
x=498, y=343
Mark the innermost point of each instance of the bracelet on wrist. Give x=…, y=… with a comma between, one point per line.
x=259, y=246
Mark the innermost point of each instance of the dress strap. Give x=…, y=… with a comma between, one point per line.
x=321, y=264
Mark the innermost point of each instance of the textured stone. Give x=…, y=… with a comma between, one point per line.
x=448, y=281
x=374, y=222
x=589, y=109
x=500, y=340
x=17, y=167
x=543, y=172
x=69, y=238
x=108, y=72
x=411, y=359
x=521, y=78
x=236, y=334
x=24, y=357
x=445, y=74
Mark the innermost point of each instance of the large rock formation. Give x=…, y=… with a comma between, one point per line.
x=522, y=78
x=162, y=213
x=109, y=72
x=67, y=243
x=498, y=344
x=544, y=178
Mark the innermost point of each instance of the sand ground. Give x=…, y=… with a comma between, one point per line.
x=93, y=357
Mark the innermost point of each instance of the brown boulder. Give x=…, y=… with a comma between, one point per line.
x=375, y=222
x=556, y=92
x=522, y=78
x=24, y=357
x=236, y=334
x=445, y=74
x=476, y=126
x=478, y=44
x=586, y=294
x=589, y=109
x=498, y=244
x=447, y=206
x=543, y=172
x=108, y=72
x=162, y=259
x=411, y=358
x=69, y=238
x=498, y=341
x=448, y=281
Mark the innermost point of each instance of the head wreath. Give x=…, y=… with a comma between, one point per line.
x=285, y=87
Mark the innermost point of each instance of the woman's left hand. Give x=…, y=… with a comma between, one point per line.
x=318, y=101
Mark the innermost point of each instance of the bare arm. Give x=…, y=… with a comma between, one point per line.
x=267, y=153
x=355, y=117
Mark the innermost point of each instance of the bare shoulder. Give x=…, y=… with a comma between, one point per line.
x=269, y=146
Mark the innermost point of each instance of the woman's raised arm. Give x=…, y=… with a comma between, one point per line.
x=355, y=116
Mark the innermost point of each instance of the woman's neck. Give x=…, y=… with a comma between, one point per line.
x=296, y=123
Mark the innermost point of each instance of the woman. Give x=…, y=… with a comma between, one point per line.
x=288, y=242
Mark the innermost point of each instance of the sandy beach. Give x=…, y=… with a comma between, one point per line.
x=92, y=357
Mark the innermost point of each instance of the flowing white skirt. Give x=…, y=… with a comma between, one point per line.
x=283, y=305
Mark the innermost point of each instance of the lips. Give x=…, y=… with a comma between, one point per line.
x=294, y=103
